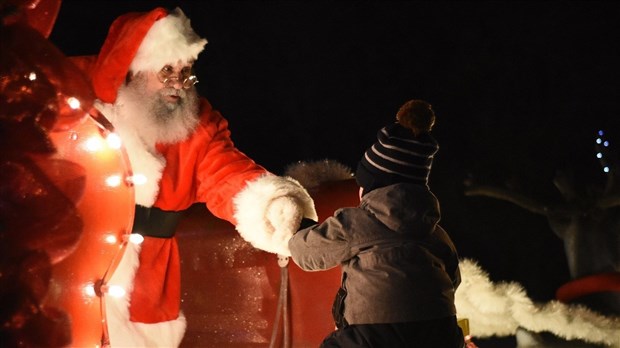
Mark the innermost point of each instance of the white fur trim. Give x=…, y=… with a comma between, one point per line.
x=170, y=40
x=125, y=333
x=145, y=162
x=499, y=309
x=312, y=173
x=268, y=211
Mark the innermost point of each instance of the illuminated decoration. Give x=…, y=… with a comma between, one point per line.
x=73, y=103
x=62, y=225
x=93, y=144
x=89, y=290
x=602, y=151
x=111, y=239
x=106, y=209
x=136, y=238
x=114, y=180
x=114, y=141
x=115, y=291
x=137, y=179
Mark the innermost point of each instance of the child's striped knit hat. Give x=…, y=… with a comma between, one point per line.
x=399, y=155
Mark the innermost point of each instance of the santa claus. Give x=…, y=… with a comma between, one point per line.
x=181, y=153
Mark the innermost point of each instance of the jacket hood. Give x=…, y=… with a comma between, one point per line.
x=404, y=208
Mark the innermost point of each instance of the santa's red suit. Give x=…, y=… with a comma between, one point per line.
x=203, y=167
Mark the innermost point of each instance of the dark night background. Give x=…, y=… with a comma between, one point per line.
x=519, y=89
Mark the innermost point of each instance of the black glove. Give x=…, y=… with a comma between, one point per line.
x=305, y=223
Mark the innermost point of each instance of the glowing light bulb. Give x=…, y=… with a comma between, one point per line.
x=598, y=140
x=599, y=155
x=89, y=290
x=73, y=102
x=606, y=169
x=600, y=133
x=32, y=76
x=116, y=291
x=114, y=141
x=606, y=143
x=93, y=144
x=136, y=238
x=110, y=239
x=138, y=179
x=113, y=180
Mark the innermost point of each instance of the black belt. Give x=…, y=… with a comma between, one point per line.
x=154, y=222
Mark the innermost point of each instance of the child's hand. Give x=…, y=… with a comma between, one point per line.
x=469, y=343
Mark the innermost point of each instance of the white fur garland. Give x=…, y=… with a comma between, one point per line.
x=500, y=309
x=312, y=173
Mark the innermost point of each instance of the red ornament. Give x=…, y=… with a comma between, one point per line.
x=40, y=87
x=106, y=209
x=66, y=204
x=38, y=14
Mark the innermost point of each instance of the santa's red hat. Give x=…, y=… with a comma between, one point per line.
x=143, y=41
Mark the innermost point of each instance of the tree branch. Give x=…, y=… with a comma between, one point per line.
x=509, y=196
x=609, y=201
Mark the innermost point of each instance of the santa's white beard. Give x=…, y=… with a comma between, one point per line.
x=153, y=118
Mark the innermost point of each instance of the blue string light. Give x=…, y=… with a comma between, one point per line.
x=600, y=153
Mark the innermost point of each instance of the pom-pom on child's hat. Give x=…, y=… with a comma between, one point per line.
x=143, y=41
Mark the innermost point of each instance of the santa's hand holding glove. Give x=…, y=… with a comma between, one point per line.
x=269, y=211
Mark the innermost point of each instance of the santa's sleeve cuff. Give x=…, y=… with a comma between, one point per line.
x=268, y=211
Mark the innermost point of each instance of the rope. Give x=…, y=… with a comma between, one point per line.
x=282, y=309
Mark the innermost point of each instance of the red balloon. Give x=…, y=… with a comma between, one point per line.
x=105, y=204
x=36, y=215
x=66, y=202
x=39, y=14
x=40, y=86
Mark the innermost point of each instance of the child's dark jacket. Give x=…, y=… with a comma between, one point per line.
x=400, y=264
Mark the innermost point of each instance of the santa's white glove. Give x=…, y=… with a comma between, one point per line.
x=269, y=211
x=284, y=214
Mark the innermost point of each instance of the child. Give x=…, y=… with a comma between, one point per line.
x=399, y=267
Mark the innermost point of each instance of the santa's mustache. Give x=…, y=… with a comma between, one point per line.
x=173, y=92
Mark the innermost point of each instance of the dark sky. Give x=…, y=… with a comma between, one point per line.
x=519, y=89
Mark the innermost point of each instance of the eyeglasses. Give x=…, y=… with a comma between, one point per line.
x=167, y=76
